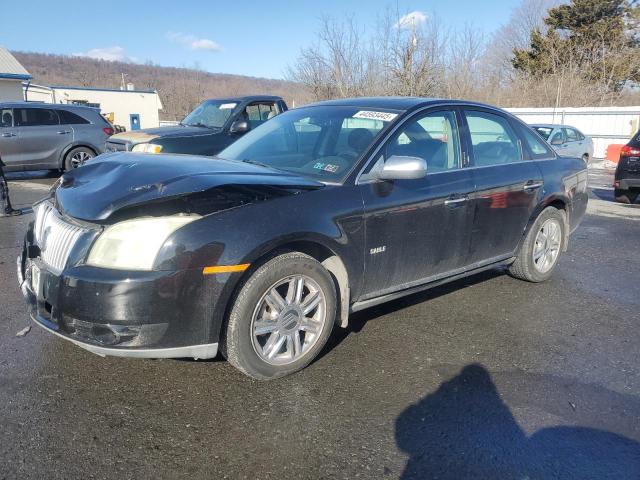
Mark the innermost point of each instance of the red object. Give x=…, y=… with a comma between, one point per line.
x=628, y=151
x=108, y=130
x=613, y=152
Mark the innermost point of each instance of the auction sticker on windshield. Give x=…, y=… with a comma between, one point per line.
x=384, y=116
x=227, y=106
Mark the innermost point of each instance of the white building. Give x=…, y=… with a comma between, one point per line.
x=132, y=109
x=12, y=74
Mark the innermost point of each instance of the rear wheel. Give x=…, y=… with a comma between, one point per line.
x=585, y=158
x=540, y=251
x=77, y=156
x=625, y=196
x=281, y=318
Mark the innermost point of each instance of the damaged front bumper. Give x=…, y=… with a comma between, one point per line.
x=122, y=313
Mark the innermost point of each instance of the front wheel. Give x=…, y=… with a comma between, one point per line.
x=540, y=251
x=281, y=318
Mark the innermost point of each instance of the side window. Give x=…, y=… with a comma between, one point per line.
x=433, y=137
x=267, y=111
x=253, y=113
x=258, y=113
x=539, y=149
x=493, y=140
x=579, y=135
x=571, y=134
x=557, y=138
x=6, y=117
x=70, y=118
x=34, y=117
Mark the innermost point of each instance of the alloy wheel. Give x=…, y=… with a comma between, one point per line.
x=78, y=159
x=547, y=245
x=288, y=320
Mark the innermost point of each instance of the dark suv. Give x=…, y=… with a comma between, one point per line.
x=38, y=136
x=627, y=179
x=212, y=126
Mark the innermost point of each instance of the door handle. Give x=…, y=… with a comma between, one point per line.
x=8, y=134
x=531, y=185
x=63, y=132
x=454, y=202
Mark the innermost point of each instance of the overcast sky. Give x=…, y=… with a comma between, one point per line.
x=258, y=38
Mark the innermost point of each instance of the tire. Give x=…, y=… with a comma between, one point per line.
x=625, y=196
x=77, y=156
x=526, y=267
x=585, y=158
x=248, y=350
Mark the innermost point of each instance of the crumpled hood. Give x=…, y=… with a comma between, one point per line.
x=115, y=181
x=149, y=134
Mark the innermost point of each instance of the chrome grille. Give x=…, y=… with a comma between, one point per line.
x=55, y=237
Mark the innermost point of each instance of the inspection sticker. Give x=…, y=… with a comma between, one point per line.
x=371, y=115
x=227, y=106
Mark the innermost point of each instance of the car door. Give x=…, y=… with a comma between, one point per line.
x=417, y=230
x=507, y=185
x=42, y=138
x=572, y=142
x=558, y=141
x=9, y=140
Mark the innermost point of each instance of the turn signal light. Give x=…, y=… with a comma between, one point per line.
x=108, y=130
x=628, y=151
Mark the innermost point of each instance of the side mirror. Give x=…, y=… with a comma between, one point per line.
x=239, y=126
x=399, y=167
x=556, y=141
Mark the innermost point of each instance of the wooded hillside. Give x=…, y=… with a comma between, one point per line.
x=180, y=89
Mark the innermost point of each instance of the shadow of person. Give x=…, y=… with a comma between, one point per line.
x=465, y=430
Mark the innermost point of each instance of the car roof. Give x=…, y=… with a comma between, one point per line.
x=552, y=125
x=394, y=103
x=44, y=105
x=245, y=98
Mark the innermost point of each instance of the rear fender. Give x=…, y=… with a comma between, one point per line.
x=562, y=203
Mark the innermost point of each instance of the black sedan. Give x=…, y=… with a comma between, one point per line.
x=322, y=211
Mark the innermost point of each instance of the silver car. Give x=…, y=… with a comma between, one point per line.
x=38, y=136
x=565, y=140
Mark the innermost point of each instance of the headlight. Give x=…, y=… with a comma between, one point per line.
x=147, y=148
x=134, y=244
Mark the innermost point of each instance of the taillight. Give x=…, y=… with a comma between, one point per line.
x=628, y=151
x=108, y=130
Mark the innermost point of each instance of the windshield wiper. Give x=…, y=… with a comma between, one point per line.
x=253, y=162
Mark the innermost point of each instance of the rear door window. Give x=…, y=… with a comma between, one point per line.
x=35, y=117
x=70, y=118
x=537, y=148
x=570, y=134
x=493, y=140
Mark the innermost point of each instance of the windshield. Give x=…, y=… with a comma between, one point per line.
x=544, y=132
x=323, y=142
x=210, y=114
